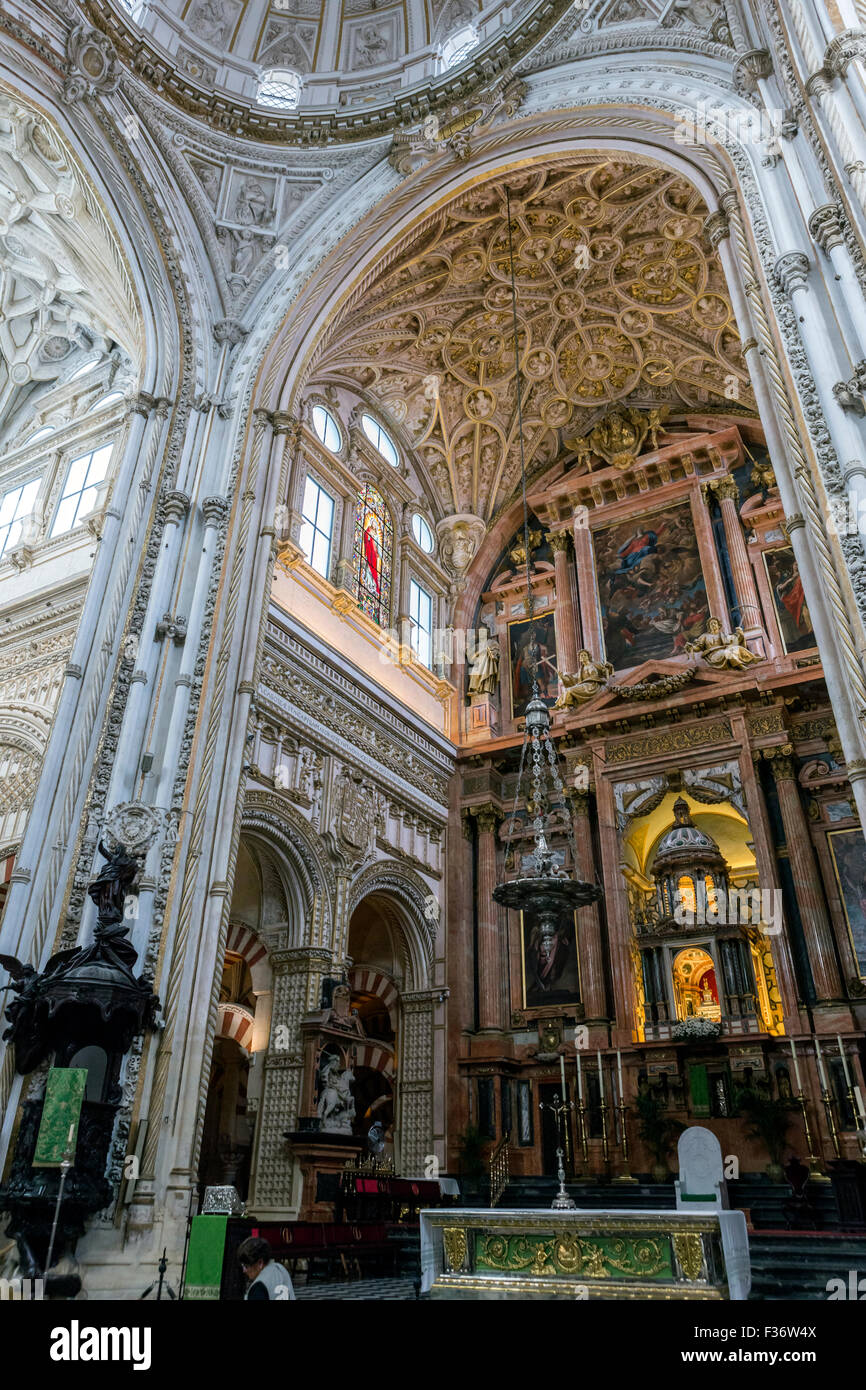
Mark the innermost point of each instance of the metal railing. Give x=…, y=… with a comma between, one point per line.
x=499, y=1172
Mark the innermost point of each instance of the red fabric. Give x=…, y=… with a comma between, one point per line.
x=371, y=555
x=794, y=600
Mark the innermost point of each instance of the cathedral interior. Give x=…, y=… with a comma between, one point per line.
x=431, y=470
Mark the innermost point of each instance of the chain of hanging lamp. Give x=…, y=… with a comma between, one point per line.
x=548, y=887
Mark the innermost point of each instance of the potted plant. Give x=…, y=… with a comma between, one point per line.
x=768, y=1121
x=658, y=1130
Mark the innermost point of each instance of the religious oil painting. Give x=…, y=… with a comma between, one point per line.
x=651, y=587
x=792, y=613
x=532, y=649
x=848, y=848
x=550, y=969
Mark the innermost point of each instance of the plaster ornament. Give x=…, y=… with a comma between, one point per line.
x=723, y=650
x=585, y=683
x=460, y=536
x=93, y=64
x=133, y=826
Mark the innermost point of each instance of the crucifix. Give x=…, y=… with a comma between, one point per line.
x=559, y=1108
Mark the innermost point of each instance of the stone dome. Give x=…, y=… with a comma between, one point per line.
x=347, y=53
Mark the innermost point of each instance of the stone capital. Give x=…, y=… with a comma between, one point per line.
x=214, y=510
x=230, y=331
x=825, y=227
x=716, y=227
x=176, y=506
x=560, y=540
x=791, y=271
x=750, y=68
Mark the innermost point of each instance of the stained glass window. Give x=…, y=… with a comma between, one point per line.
x=372, y=554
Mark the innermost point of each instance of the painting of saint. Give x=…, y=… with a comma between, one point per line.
x=550, y=969
x=792, y=612
x=848, y=849
x=651, y=587
x=532, y=648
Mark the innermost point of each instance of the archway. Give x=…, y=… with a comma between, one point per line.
x=696, y=992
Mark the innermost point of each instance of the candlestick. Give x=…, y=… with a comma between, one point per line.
x=860, y=1110
x=796, y=1066
x=820, y=1060
x=816, y=1172
x=844, y=1061
x=600, y=1078
x=619, y=1075
x=579, y=1079
x=562, y=1074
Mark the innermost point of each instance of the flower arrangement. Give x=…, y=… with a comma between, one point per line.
x=697, y=1028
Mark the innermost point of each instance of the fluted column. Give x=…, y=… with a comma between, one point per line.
x=584, y=561
x=588, y=920
x=567, y=619
x=804, y=872
x=725, y=489
x=491, y=967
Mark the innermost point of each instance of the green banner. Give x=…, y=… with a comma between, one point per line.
x=58, y=1128
x=204, y=1260
x=699, y=1085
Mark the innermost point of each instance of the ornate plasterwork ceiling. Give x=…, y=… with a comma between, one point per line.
x=65, y=289
x=648, y=321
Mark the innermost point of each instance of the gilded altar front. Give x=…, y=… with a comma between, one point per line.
x=665, y=1255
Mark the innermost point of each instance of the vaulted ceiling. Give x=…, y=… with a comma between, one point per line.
x=641, y=315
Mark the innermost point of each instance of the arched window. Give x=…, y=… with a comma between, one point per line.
x=372, y=554
x=422, y=533
x=380, y=439
x=326, y=428
x=458, y=46
x=280, y=87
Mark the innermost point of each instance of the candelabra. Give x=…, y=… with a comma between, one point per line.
x=816, y=1172
x=831, y=1122
x=559, y=1109
x=626, y=1175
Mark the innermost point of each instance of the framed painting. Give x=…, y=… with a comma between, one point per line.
x=532, y=653
x=551, y=973
x=848, y=851
x=651, y=587
x=792, y=614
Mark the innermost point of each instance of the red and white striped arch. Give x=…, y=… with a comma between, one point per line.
x=375, y=1056
x=362, y=980
x=242, y=941
x=236, y=1022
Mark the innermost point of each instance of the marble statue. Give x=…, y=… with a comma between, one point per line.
x=589, y=678
x=723, y=650
x=484, y=672
x=336, y=1108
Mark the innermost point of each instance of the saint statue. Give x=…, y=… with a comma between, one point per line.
x=723, y=650
x=484, y=671
x=589, y=678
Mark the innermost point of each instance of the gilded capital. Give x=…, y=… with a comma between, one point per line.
x=725, y=489
x=559, y=540
x=487, y=817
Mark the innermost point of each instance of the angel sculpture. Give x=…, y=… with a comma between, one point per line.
x=589, y=678
x=723, y=650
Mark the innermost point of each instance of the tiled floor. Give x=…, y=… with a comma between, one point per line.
x=358, y=1288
